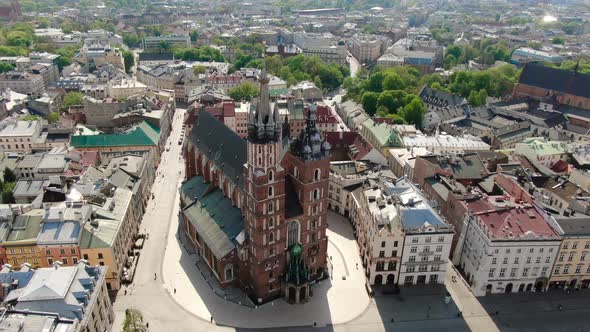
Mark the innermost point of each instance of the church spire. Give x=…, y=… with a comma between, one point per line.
x=264, y=123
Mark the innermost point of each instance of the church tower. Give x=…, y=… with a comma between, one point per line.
x=308, y=166
x=265, y=197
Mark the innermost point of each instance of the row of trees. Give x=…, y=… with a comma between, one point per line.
x=485, y=52
x=307, y=68
x=389, y=93
x=203, y=53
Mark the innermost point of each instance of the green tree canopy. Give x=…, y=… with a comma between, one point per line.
x=72, y=98
x=131, y=39
x=558, y=40
x=129, y=59
x=393, y=81
x=369, y=102
x=244, y=91
x=199, y=70
x=53, y=117
x=6, y=67
x=133, y=321
x=9, y=175
x=414, y=112
x=19, y=38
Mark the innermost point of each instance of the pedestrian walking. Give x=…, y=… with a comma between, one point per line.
x=174, y=290
x=147, y=325
x=155, y=276
x=211, y=319
x=357, y=266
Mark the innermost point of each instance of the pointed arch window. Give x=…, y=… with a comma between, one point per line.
x=270, y=191
x=293, y=233
x=316, y=174
x=270, y=176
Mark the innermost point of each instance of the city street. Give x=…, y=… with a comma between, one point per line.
x=353, y=64
x=340, y=304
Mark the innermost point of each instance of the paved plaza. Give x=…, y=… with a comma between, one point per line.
x=339, y=304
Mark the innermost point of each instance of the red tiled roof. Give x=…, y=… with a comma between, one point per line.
x=360, y=148
x=340, y=138
x=229, y=109
x=515, y=223
x=325, y=115
x=560, y=166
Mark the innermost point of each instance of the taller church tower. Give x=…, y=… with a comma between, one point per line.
x=265, y=197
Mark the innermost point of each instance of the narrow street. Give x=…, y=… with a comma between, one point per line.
x=353, y=64
x=147, y=292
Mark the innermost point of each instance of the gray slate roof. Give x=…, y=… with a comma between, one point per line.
x=221, y=145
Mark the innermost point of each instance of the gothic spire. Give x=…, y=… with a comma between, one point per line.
x=264, y=122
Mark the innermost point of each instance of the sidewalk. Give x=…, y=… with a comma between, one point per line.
x=474, y=313
x=335, y=301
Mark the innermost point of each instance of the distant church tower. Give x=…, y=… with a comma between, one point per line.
x=265, y=196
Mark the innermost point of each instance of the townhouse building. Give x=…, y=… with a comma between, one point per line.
x=511, y=248
x=401, y=238
x=20, y=136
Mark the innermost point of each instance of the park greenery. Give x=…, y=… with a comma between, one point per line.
x=6, y=67
x=203, y=53
x=71, y=99
x=486, y=52
x=307, y=68
x=244, y=91
x=393, y=92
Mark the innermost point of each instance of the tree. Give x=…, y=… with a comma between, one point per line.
x=375, y=83
x=53, y=117
x=369, y=101
x=71, y=99
x=7, y=197
x=133, y=321
x=393, y=82
x=42, y=23
x=558, y=40
x=414, y=112
x=164, y=46
x=9, y=175
x=6, y=67
x=392, y=100
x=199, y=70
x=131, y=39
x=66, y=54
x=477, y=98
x=194, y=35
x=19, y=38
x=244, y=91
x=129, y=59
x=331, y=77
x=31, y=117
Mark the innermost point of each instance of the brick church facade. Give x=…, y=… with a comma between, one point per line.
x=256, y=208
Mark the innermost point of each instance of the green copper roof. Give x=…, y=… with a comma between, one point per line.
x=143, y=135
x=278, y=92
x=297, y=272
x=193, y=189
x=383, y=133
x=214, y=217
